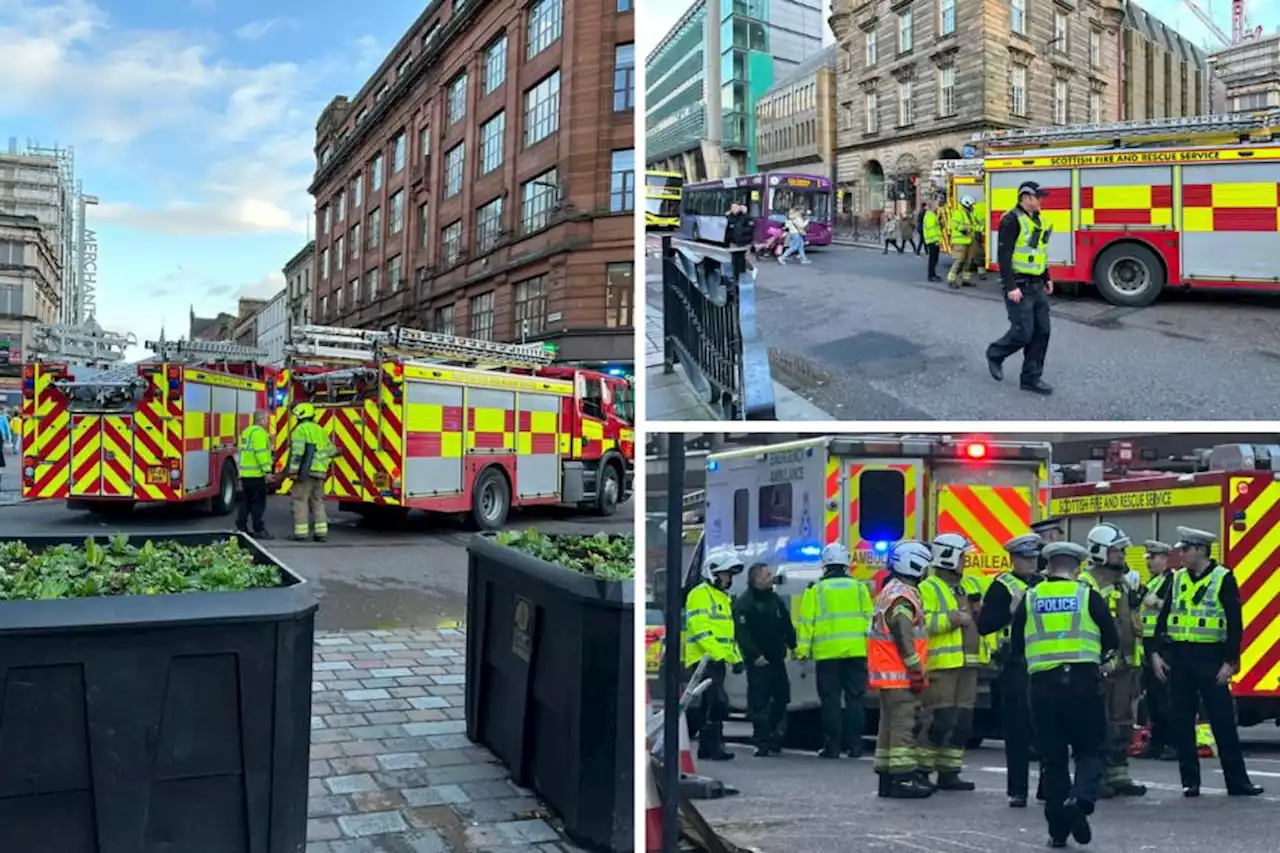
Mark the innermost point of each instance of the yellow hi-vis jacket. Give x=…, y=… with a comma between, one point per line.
x=255, y=453
x=708, y=626
x=835, y=614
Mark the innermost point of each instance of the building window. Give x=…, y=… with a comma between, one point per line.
x=342, y=207
x=1060, y=94
x=530, y=306
x=1018, y=90
x=337, y=298
x=324, y=263
x=395, y=274
x=947, y=90
x=1095, y=107
x=618, y=290
x=1095, y=49
x=397, y=213
x=424, y=142
x=622, y=181
x=326, y=220
x=453, y=162
x=371, y=283
x=494, y=73
x=873, y=112
x=357, y=191
x=457, y=98
x=488, y=225
x=375, y=228
x=904, y=31
x=492, y=138
x=871, y=47
x=624, y=77
x=355, y=241
x=404, y=67
x=542, y=109
x=355, y=292
x=545, y=19
x=480, y=311
x=375, y=174
x=946, y=17
x=1018, y=17
x=1060, y=43
x=324, y=306
x=340, y=253
x=444, y=320
x=451, y=243
x=538, y=199
x=624, y=5
x=905, y=116
x=399, y=150
x=422, y=225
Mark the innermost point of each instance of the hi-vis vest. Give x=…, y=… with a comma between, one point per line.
x=1030, y=252
x=708, y=626
x=973, y=589
x=1196, y=614
x=1150, y=615
x=834, y=617
x=885, y=668
x=1113, y=595
x=961, y=227
x=255, y=453
x=945, y=641
x=932, y=228
x=310, y=432
x=1060, y=630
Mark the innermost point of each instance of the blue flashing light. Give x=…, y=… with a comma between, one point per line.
x=713, y=465
x=617, y=371
x=881, y=547
x=811, y=551
x=802, y=551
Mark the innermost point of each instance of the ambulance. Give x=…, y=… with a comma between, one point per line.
x=780, y=504
x=1237, y=498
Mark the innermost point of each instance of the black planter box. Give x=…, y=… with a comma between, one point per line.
x=551, y=688
x=150, y=724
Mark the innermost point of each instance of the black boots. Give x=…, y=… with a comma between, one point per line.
x=905, y=786
x=711, y=743
x=950, y=780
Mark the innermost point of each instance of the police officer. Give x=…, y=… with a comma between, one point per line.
x=834, y=616
x=765, y=634
x=1155, y=693
x=931, y=233
x=709, y=630
x=1049, y=530
x=995, y=618
x=310, y=453
x=1106, y=575
x=948, y=701
x=1024, y=272
x=1063, y=630
x=962, y=245
x=897, y=660
x=1197, y=649
x=255, y=466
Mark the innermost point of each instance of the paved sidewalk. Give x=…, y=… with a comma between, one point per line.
x=392, y=770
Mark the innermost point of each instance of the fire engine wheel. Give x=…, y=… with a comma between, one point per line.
x=490, y=500
x=609, y=491
x=1129, y=274
x=225, y=500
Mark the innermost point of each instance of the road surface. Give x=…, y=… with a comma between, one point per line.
x=864, y=336
x=409, y=575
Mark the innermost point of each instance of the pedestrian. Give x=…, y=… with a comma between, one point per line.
x=709, y=632
x=1155, y=693
x=797, y=224
x=1197, y=641
x=255, y=467
x=1106, y=545
x=1024, y=273
x=15, y=431
x=834, y=616
x=898, y=657
x=1063, y=630
x=310, y=454
x=907, y=232
x=6, y=434
x=738, y=234
x=889, y=233
x=931, y=233
x=765, y=634
x=1010, y=688
x=980, y=225
x=962, y=245
x=948, y=701
x=924, y=208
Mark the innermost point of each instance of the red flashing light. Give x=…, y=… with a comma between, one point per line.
x=975, y=450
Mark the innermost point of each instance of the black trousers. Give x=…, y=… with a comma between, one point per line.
x=768, y=693
x=933, y=259
x=1190, y=685
x=252, y=503
x=1028, y=331
x=1155, y=698
x=714, y=701
x=1015, y=724
x=1071, y=722
x=842, y=725
x=894, y=243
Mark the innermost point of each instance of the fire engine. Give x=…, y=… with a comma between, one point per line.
x=1238, y=498
x=1137, y=206
x=162, y=429
x=423, y=420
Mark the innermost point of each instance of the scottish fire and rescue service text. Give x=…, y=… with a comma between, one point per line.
x=1115, y=503
x=1127, y=158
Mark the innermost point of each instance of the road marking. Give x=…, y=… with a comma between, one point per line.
x=1270, y=773
x=1161, y=786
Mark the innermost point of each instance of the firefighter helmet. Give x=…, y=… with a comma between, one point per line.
x=966, y=201
x=722, y=560
x=836, y=554
x=910, y=559
x=1103, y=538
x=949, y=550
x=304, y=411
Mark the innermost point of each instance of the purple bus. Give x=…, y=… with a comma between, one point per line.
x=768, y=197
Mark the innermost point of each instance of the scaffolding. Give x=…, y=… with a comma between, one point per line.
x=40, y=181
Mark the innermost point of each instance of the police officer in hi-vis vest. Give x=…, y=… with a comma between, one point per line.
x=1063, y=629
x=1023, y=255
x=709, y=630
x=1155, y=693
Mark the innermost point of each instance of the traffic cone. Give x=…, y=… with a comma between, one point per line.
x=652, y=812
x=687, y=767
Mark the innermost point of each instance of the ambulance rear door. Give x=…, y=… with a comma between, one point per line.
x=878, y=499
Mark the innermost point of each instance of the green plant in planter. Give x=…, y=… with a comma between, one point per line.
x=603, y=556
x=118, y=568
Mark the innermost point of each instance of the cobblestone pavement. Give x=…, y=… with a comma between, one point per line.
x=392, y=770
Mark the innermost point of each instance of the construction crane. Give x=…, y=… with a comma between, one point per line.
x=1262, y=126
x=1238, y=24
x=337, y=344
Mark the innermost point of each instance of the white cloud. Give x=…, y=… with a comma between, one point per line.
x=255, y=30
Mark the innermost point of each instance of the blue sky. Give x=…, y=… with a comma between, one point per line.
x=194, y=122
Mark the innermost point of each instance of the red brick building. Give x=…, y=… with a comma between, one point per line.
x=483, y=182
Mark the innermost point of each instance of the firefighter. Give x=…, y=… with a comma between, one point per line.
x=1003, y=596
x=1024, y=271
x=834, y=616
x=1197, y=649
x=962, y=245
x=709, y=630
x=1063, y=630
x=255, y=465
x=931, y=233
x=979, y=253
x=948, y=700
x=765, y=634
x=1106, y=546
x=897, y=657
x=310, y=454
x=1154, y=691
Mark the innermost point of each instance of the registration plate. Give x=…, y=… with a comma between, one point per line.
x=157, y=476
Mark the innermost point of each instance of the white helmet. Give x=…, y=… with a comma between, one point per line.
x=722, y=559
x=1103, y=538
x=949, y=550
x=836, y=554
x=910, y=558
x=966, y=201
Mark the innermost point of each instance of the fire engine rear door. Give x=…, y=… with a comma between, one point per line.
x=101, y=455
x=345, y=424
x=882, y=499
x=988, y=503
x=382, y=430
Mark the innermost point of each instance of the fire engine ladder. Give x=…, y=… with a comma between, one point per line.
x=328, y=344
x=85, y=344
x=205, y=352
x=1257, y=126
x=469, y=352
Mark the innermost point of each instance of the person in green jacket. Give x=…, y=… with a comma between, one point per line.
x=310, y=453
x=255, y=467
x=709, y=632
x=765, y=634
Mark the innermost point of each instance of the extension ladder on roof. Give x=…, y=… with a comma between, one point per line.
x=79, y=343
x=336, y=343
x=204, y=352
x=1136, y=132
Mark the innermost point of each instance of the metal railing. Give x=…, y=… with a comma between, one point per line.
x=709, y=327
